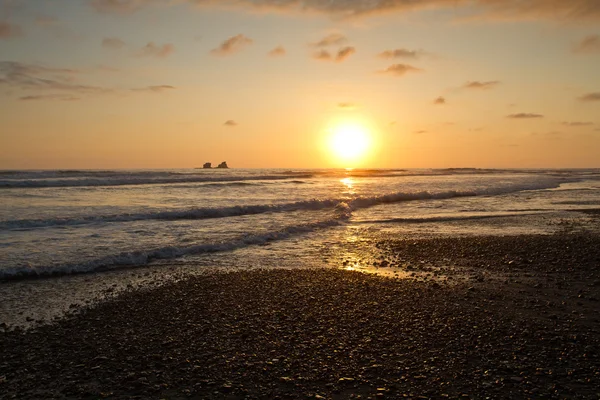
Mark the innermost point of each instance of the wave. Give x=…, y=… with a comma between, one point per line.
x=196, y=213
x=137, y=179
x=143, y=257
x=235, y=211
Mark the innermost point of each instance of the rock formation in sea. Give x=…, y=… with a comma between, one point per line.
x=207, y=165
x=223, y=165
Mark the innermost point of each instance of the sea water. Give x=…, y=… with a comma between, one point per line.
x=82, y=228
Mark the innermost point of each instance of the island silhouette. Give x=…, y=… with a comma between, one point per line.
x=208, y=165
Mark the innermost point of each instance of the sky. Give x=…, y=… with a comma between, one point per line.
x=96, y=84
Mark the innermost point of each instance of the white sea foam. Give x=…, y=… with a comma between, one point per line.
x=144, y=256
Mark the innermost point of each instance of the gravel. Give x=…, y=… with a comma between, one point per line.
x=332, y=333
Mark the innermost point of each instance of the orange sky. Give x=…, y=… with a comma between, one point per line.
x=176, y=83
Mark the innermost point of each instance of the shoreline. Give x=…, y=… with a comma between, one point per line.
x=331, y=333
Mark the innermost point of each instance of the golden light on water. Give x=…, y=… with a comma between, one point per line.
x=349, y=143
x=349, y=182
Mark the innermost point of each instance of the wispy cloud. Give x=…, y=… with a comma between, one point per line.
x=420, y=132
x=277, y=52
x=154, y=88
x=590, y=97
x=577, y=123
x=481, y=85
x=339, y=56
x=232, y=45
x=562, y=10
x=524, y=116
x=113, y=43
x=399, y=69
x=40, y=82
x=440, y=101
x=322, y=55
x=231, y=123
x=589, y=44
x=401, y=53
x=30, y=76
x=334, y=39
x=8, y=30
x=344, y=53
x=154, y=50
x=60, y=97
x=346, y=106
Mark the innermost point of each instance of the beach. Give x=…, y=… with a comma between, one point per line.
x=284, y=199
x=471, y=317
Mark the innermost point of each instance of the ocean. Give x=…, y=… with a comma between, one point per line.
x=90, y=234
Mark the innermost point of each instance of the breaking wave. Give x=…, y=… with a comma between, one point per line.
x=143, y=257
x=234, y=211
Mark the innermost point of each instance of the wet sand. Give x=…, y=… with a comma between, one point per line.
x=514, y=317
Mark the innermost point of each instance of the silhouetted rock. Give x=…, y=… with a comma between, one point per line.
x=207, y=165
x=223, y=165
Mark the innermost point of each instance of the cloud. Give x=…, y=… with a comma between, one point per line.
x=577, y=123
x=8, y=31
x=590, y=97
x=232, y=45
x=399, y=69
x=401, y=53
x=346, y=106
x=277, y=52
x=323, y=55
x=39, y=78
x=50, y=83
x=113, y=43
x=340, y=56
x=154, y=89
x=344, y=53
x=335, y=39
x=480, y=85
x=30, y=76
x=420, y=132
x=231, y=123
x=511, y=10
x=524, y=116
x=440, y=100
x=589, y=44
x=154, y=50
x=61, y=97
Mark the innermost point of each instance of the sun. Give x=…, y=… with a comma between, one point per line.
x=349, y=142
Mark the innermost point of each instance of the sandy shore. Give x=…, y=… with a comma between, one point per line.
x=518, y=318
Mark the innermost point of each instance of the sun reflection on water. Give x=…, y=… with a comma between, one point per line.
x=349, y=183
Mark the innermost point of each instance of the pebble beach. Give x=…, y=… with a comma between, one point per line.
x=484, y=317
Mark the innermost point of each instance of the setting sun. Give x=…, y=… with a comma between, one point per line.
x=349, y=142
